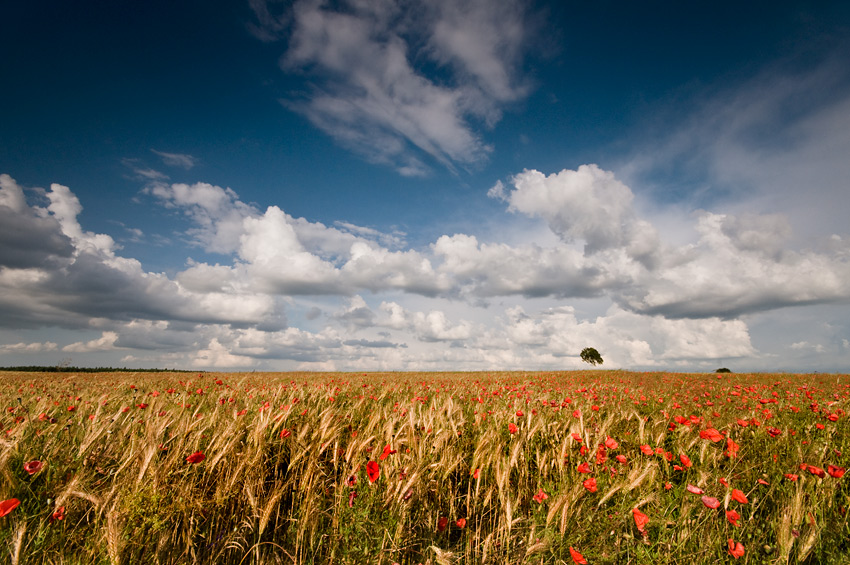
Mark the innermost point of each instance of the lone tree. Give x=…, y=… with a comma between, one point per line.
x=590, y=355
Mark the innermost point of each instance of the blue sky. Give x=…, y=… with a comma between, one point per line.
x=367, y=184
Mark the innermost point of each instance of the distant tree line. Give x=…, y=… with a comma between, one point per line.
x=64, y=369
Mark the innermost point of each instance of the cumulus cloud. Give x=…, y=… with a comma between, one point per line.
x=667, y=303
x=626, y=338
x=218, y=356
x=216, y=212
x=105, y=342
x=481, y=270
x=369, y=93
x=730, y=272
x=805, y=345
x=88, y=278
x=29, y=236
x=738, y=265
x=34, y=347
x=587, y=204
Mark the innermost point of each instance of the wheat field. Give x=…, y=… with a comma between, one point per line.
x=423, y=468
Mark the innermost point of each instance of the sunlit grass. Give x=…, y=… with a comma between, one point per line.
x=471, y=468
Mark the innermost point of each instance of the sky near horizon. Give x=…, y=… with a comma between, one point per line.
x=442, y=185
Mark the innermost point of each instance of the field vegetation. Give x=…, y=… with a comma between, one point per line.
x=566, y=467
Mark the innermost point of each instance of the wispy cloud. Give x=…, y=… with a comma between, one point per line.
x=773, y=142
x=181, y=160
x=142, y=172
x=371, y=93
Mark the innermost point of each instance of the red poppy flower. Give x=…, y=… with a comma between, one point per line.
x=611, y=443
x=641, y=520
x=285, y=433
x=646, y=450
x=731, y=448
x=711, y=502
x=476, y=473
x=8, y=505
x=695, y=490
x=667, y=486
x=733, y=517
x=686, y=461
x=739, y=496
x=723, y=481
x=540, y=496
x=373, y=470
x=711, y=434
x=836, y=472
x=461, y=523
x=583, y=468
x=578, y=558
x=817, y=471
x=774, y=432
x=742, y=423
x=519, y=414
x=590, y=484
x=442, y=523
x=763, y=482
x=736, y=549
x=388, y=450
x=512, y=428
x=58, y=514
x=791, y=476
x=621, y=458
x=33, y=466
x=576, y=437
x=601, y=455
x=196, y=457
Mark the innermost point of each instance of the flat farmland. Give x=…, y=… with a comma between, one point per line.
x=501, y=467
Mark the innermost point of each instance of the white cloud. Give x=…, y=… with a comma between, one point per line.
x=35, y=347
x=729, y=272
x=805, y=345
x=627, y=339
x=218, y=356
x=392, y=240
x=85, y=277
x=775, y=142
x=29, y=236
x=482, y=39
x=217, y=212
x=181, y=160
x=105, y=342
x=370, y=94
x=458, y=302
x=588, y=205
